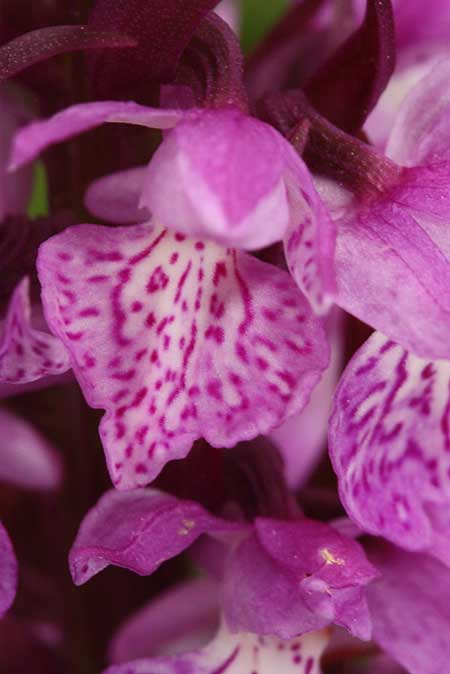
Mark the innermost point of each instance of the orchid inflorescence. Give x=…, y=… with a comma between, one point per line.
x=271, y=268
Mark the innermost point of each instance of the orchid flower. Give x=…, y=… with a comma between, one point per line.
x=275, y=577
x=278, y=577
x=409, y=615
x=239, y=335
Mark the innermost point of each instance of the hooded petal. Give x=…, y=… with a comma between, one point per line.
x=390, y=445
x=115, y=198
x=26, y=458
x=35, y=137
x=8, y=572
x=186, y=616
x=238, y=653
x=410, y=609
x=177, y=339
x=221, y=174
x=139, y=530
x=293, y=577
x=27, y=354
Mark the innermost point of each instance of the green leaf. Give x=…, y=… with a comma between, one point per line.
x=38, y=206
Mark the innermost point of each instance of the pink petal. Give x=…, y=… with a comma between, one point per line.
x=258, y=596
x=35, y=137
x=390, y=446
x=422, y=35
x=26, y=458
x=8, y=572
x=332, y=569
x=307, y=546
x=27, y=354
x=115, y=198
x=237, y=654
x=421, y=133
x=410, y=608
x=186, y=614
x=139, y=530
x=414, y=65
x=177, y=339
x=405, y=234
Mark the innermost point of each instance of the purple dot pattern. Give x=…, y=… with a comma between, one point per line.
x=309, y=246
x=241, y=653
x=390, y=445
x=177, y=339
x=27, y=354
